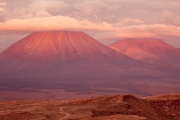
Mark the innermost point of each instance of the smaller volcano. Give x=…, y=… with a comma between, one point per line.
x=149, y=50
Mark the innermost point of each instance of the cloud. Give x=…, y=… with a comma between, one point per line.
x=111, y=18
x=53, y=23
x=36, y=8
x=90, y=7
x=110, y=11
x=122, y=22
x=2, y=9
x=171, y=18
x=153, y=30
x=2, y=3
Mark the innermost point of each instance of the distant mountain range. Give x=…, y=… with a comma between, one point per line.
x=68, y=53
x=70, y=61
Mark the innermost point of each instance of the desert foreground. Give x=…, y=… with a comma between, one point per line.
x=117, y=107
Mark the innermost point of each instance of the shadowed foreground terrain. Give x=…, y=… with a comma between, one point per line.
x=118, y=107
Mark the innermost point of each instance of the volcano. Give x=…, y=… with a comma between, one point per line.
x=69, y=53
x=58, y=46
x=149, y=50
x=49, y=52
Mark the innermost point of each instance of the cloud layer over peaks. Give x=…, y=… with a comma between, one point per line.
x=110, y=19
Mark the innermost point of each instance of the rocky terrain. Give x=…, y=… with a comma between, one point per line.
x=117, y=107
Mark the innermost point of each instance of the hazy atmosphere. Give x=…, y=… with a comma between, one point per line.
x=105, y=20
x=89, y=59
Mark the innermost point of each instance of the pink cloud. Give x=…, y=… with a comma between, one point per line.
x=128, y=22
x=2, y=9
x=171, y=18
x=69, y=23
x=53, y=23
x=2, y=4
x=147, y=31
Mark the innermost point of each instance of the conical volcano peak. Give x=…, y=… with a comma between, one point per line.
x=59, y=45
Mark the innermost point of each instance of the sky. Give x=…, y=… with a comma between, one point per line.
x=105, y=20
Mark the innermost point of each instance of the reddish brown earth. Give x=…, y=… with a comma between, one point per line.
x=117, y=107
x=149, y=50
